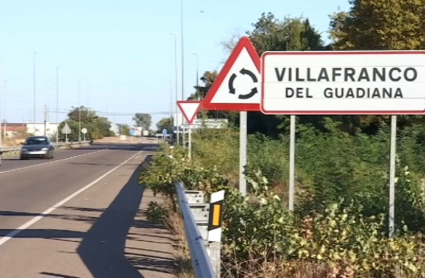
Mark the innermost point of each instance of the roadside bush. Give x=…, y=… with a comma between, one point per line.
x=156, y=212
x=339, y=228
x=340, y=238
x=219, y=148
x=271, y=156
x=339, y=165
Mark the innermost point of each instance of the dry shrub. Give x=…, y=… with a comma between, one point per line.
x=13, y=142
x=260, y=267
x=174, y=223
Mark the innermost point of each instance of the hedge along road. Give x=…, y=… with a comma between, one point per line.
x=49, y=215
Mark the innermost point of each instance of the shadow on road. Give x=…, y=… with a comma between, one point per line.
x=43, y=233
x=102, y=248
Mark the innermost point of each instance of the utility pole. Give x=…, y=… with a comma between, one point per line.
x=176, y=89
x=182, y=58
x=1, y=31
x=4, y=109
x=57, y=105
x=197, y=76
x=79, y=112
x=171, y=111
x=66, y=133
x=35, y=53
x=45, y=119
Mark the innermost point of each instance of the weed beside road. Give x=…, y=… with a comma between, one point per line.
x=339, y=226
x=12, y=142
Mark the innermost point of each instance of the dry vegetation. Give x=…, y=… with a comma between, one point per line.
x=173, y=221
x=339, y=226
x=182, y=255
x=14, y=141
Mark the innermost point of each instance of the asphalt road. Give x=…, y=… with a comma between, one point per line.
x=72, y=217
x=15, y=163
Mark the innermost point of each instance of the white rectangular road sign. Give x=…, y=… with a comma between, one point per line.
x=343, y=82
x=209, y=123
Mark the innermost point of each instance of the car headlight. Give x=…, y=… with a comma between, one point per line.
x=23, y=149
x=45, y=149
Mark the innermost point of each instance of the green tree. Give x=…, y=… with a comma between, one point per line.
x=125, y=129
x=165, y=123
x=272, y=34
x=207, y=79
x=379, y=25
x=288, y=34
x=73, y=125
x=143, y=120
x=87, y=114
x=97, y=127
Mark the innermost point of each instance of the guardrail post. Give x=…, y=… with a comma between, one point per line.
x=199, y=209
x=215, y=221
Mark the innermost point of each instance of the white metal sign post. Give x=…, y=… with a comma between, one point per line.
x=346, y=83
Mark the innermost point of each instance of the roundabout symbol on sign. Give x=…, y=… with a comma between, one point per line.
x=253, y=90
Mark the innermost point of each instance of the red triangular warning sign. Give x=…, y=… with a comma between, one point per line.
x=238, y=85
x=189, y=109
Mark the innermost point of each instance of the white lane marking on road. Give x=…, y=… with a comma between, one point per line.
x=34, y=220
x=51, y=162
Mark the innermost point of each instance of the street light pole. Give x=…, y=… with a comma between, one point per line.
x=182, y=53
x=57, y=105
x=176, y=77
x=4, y=108
x=1, y=142
x=79, y=112
x=171, y=109
x=46, y=113
x=197, y=76
x=35, y=53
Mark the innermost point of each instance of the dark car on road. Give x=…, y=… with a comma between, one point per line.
x=37, y=147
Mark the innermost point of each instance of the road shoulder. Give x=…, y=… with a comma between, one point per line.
x=150, y=245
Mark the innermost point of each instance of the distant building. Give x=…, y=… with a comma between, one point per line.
x=51, y=129
x=13, y=129
x=19, y=129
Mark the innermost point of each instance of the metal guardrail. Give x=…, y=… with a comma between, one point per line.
x=16, y=149
x=202, y=224
x=200, y=260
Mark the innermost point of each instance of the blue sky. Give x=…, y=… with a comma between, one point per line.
x=121, y=51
